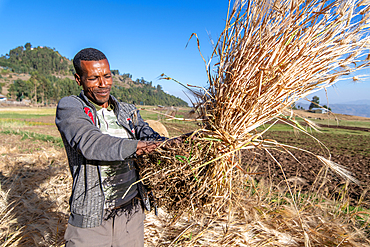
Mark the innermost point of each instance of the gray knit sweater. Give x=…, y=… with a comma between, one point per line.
x=86, y=146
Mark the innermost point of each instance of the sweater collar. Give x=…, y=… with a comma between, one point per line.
x=98, y=108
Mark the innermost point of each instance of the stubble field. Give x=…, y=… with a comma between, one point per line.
x=35, y=181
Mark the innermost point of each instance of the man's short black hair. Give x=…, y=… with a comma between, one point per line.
x=87, y=54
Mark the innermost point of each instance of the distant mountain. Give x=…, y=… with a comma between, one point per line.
x=355, y=108
x=351, y=109
x=359, y=102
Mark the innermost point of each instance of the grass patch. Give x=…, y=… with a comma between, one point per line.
x=147, y=115
x=331, y=131
x=57, y=141
x=29, y=110
x=17, y=115
x=344, y=132
x=10, y=122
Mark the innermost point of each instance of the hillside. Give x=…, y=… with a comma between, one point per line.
x=41, y=59
x=42, y=75
x=361, y=110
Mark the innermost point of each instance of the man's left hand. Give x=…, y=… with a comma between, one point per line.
x=145, y=147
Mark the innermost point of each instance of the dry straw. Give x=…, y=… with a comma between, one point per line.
x=270, y=54
x=34, y=194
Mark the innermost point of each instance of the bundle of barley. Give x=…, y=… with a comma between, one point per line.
x=270, y=54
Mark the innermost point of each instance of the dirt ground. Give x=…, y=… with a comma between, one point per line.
x=44, y=119
x=351, y=151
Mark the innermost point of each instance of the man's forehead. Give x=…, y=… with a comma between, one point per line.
x=91, y=66
x=95, y=62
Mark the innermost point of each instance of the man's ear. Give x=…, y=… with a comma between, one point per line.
x=78, y=79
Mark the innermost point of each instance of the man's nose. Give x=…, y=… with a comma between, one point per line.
x=102, y=81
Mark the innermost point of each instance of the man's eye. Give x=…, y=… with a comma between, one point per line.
x=92, y=79
x=108, y=76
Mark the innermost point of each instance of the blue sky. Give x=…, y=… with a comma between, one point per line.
x=143, y=38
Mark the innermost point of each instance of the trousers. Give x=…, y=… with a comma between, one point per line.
x=125, y=230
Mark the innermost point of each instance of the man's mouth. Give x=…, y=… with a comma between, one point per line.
x=103, y=92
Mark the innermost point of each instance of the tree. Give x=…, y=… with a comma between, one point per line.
x=28, y=46
x=20, y=89
x=114, y=71
x=314, y=103
x=326, y=107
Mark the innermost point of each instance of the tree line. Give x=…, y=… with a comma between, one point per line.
x=44, y=89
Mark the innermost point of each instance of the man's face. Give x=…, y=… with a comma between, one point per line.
x=96, y=81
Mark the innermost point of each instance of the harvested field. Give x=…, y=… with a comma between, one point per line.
x=351, y=151
x=35, y=180
x=35, y=184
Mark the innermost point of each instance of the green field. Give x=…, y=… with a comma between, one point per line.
x=330, y=131
x=18, y=117
x=25, y=113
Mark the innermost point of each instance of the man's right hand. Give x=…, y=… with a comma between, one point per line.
x=145, y=147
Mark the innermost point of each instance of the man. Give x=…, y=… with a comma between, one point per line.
x=102, y=137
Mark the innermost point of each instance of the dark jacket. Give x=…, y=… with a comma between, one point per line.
x=86, y=145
